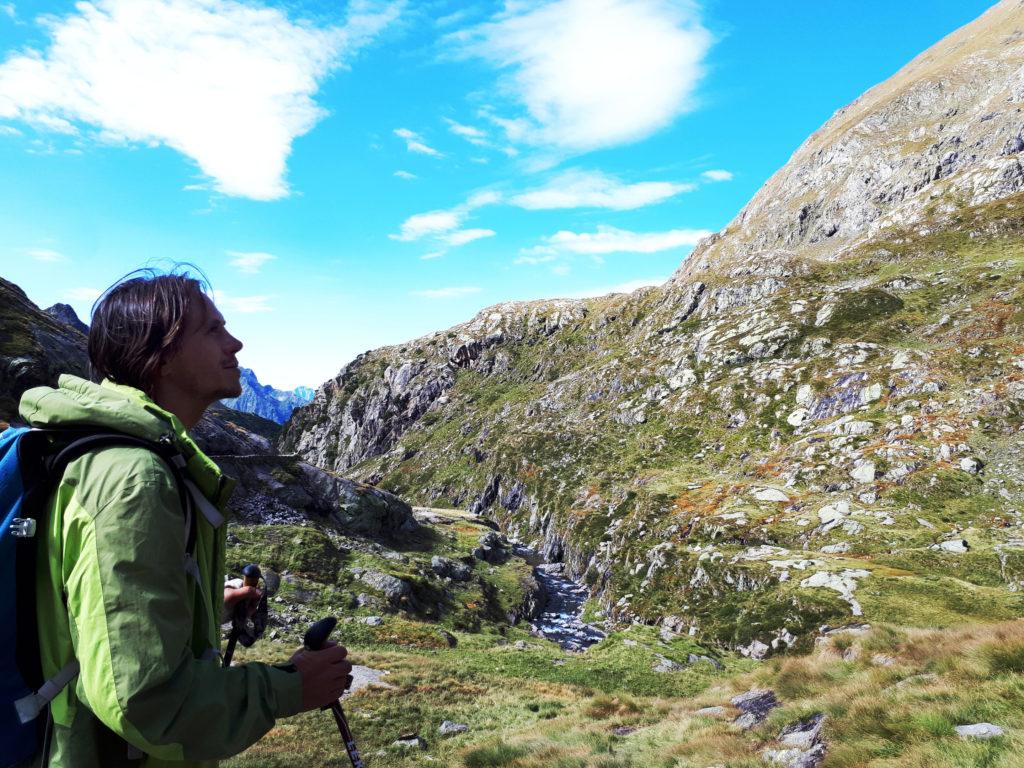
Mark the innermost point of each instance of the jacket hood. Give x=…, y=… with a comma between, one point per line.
x=80, y=403
x=76, y=402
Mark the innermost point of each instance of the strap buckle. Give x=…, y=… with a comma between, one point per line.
x=23, y=527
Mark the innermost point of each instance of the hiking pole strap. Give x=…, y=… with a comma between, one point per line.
x=30, y=706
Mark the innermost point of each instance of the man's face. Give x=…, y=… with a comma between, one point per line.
x=204, y=367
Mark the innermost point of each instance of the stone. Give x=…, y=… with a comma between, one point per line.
x=694, y=658
x=448, y=637
x=864, y=472
x=844, y=583
x=956, y=546
x=836, y=549
x=803, y=734
x=393, y=588
x=770, y=494
x=979, y=731
x=805, y=396
x=970, y=465
x=797, y=417
x=755, y=705
x=801, y=745
x=372, y=621
x=824, y=315
x=451, y=569
x=451, y=728
x=756, y=650
x=666, y=665
x=410, y=741
x=624, y=730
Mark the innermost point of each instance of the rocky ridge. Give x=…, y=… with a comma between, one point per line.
x=265, y=401
x=811, y=423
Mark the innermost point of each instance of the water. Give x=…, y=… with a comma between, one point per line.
x=560, y=620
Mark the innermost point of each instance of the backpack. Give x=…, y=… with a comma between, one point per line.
x=32, y=463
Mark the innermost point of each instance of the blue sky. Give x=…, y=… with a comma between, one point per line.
x=354, y=175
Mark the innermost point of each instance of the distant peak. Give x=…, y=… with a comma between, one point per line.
x=67, y=315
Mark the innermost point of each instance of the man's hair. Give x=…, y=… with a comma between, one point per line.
x=139, y=323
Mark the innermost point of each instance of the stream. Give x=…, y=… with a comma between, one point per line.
x=560, y=620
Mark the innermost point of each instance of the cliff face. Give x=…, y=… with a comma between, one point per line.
x=819, y=416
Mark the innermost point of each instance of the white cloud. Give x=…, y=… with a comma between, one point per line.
x=9, y=10
x=627, y=287
x=244, y=305
x=228, y=84
x=430, y=223
x=47, y=255
x=414, y=142
x=446, y=293
x=613, y=240
x=468, y=132
x=432, y=255
x=588, y=189
x=539, y=254
x=9, y=130
x=717, y=175
x=250, y=261
x=441, y=224
x=405, y=175
x=592, y=73
x=463, y=236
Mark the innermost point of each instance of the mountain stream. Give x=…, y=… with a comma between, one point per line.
x=560, y=620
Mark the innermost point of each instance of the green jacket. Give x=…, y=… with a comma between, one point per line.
x=114, y=592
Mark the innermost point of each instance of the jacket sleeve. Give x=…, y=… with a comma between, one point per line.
x=131, y=606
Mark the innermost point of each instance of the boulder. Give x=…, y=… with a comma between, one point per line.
x=755, y=705
x=864, y=472
x=392, y=587
x=800, y=744
x=451, y=728
x=979, y=731
x=410, y=741
x=770, y=494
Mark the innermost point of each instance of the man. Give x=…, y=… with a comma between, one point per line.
x=116, y=589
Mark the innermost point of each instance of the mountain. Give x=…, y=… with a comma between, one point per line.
x=66, y=314
x=35, y=346
x=819, y=419
x=263, y=400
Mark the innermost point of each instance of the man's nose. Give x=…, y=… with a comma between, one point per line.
x=234, y=345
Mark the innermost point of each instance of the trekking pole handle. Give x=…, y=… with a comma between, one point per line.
x=314, y=640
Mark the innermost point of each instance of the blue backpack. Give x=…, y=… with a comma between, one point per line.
x=32, y=463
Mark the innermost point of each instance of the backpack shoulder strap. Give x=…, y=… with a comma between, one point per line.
x=81, y=444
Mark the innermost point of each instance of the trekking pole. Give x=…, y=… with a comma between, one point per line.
x=314, y=640
x=251, y=576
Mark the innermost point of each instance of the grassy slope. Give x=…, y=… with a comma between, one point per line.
x=892, y=697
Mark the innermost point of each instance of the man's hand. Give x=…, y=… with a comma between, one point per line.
x=233, y=596
x=326, y=674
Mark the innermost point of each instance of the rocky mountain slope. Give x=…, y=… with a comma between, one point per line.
x=266, y=401
x=818, y=420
